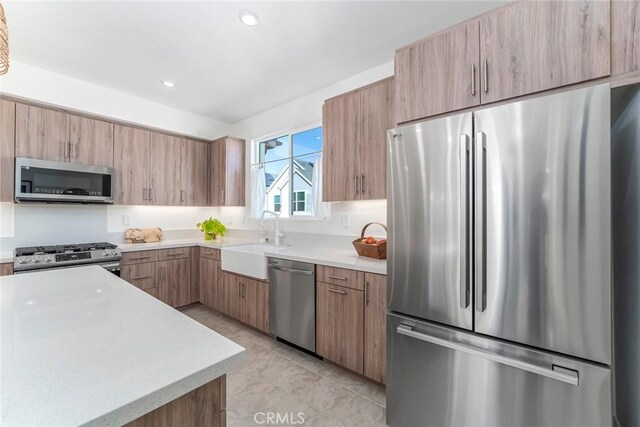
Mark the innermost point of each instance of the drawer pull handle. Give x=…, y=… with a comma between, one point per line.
x=208, y=253
x=331, y=276
x=141, y=277
x=338, y=291
x=176, y=254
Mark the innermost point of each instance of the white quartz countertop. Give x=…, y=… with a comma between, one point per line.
x=180, y=243
x=80, y=346
x=343, y=258
x=6, y=256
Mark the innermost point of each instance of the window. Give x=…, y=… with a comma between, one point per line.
x=276, y=203
x=288, y=162
x=299, y=198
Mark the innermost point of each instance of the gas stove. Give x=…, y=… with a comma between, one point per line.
x=59, y=256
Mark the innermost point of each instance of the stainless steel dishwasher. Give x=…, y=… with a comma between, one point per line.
x=292, y=302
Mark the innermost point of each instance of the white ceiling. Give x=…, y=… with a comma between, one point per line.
x=222, y=69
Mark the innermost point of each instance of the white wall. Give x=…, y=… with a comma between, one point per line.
x=32, y=83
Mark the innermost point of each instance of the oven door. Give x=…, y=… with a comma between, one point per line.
x=61, y=182
x=111, y=266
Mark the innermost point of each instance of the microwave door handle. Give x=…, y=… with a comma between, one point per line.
x=464, y=265
x=480, y=222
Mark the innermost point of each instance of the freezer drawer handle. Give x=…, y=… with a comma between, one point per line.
x=568, y=376
x=291, y=270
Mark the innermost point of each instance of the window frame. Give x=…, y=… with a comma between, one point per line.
x=255, y=157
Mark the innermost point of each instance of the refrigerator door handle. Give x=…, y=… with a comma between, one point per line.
x=480, y=223
x=565, y=375
x=464, y=265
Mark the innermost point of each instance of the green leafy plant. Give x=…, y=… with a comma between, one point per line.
x=211, y=228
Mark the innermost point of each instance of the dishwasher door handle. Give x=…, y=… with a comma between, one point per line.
x=291, y=270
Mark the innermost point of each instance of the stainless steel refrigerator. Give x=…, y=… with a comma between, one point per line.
x=499, y=270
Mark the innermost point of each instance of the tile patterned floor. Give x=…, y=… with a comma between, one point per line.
x=279, y=378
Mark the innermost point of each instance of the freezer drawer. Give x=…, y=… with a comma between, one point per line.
x=444, y=377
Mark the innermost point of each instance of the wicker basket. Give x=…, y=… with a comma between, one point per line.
x=375, y=250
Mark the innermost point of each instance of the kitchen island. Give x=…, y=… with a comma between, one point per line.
x=80, y=346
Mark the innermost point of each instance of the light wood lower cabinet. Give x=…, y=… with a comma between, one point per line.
x=375, y=327
x=207, y=280
x=351, y=321
x=256, y=297
x=339, y=323
x=242, y=298
x=174, y=282
x=155, y=272
x=144, y=275
x=6, y=269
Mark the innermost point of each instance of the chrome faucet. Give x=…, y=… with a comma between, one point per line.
x=277, y=215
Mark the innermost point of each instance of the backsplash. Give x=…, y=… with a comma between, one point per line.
x=30, y=224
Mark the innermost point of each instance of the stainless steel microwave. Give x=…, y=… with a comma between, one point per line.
x=60, y=182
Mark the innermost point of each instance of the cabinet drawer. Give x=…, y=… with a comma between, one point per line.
x=341, y=276
x=138, y=257
x=210, y=253
x=174, y=253
x=141, y=275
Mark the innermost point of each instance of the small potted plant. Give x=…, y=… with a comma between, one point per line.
x=212, y=228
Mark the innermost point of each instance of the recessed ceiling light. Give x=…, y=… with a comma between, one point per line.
x=167, y=83
x=249, y=18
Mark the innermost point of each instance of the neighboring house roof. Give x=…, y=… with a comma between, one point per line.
x=302, y=168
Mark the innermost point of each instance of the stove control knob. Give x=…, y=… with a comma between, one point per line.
x=105, y=253
x=115, y=252
x=48, y=258
x=23, y=260
x=37, y=259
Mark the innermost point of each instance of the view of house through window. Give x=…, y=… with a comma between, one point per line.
x=288, y=162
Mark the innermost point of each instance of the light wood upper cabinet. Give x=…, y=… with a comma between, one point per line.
x=91, y=141
x=341, y=122
x=194, y=179
x=532, y=46
x=174, y=282
x=625, y=36
x=339, y=324
x=227, y=163
x=355, y=139
x=42, y=133
x=7, y=149
x=375, y=327
x=438, y=74
x=164, y=170
x=131, y=164
x=377, y=118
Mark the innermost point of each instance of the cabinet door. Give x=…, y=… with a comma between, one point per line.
x=438, y=75
x=377, y=118
x=532, y=46
x=144, y=276
x=375, y=326
x=233, y=290
x=234, y=172
x=257, y=304
x=340, y=326
x=341, y=162
x=7, y=149
x=194, y=172
x=42, y=133
x=174, y=282
x=217, y=168
x=91, y=141
x=164, y=170
x=221, y=302
x=131, y=164
x=625, y=36
x=208, y=282
x=6, y=269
